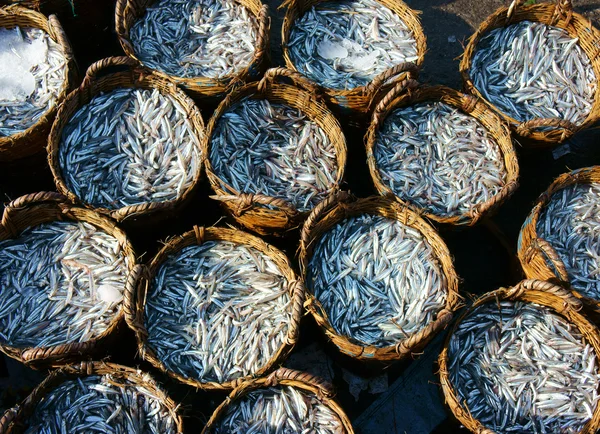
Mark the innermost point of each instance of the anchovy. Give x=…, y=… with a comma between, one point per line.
x=439, y=158
x=50, y=75
x=129, y=146
x=519, y=367
x=377, y=279
x=197, y=38
x=218, y=311
x=283, y=409
x=345, y=44
x=531, y=70
x=570, y=222
x=101, y=404
x=62, y=282
x=275, y=150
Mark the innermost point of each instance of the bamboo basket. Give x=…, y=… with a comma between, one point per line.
x=130, y=11
x=135, y=298
x=14, y=420
x=405, y=94
x=357, y=102
x=559, y=15
x=282, y=377
x=35, y=209
x=543, y=293
x=538, y=258
x=251, y=210
x=98, y=80
x=33, y=140
x=334, y=210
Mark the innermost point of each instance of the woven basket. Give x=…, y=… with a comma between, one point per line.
x=538, y=258
x=135, y=298
x=357, y=101
x=129, y=11
x=559, y=15
x=14, y=421
x=97, y=80
x=405, y=94
x=250, y=209
x=282, y=377
x=337, y=208
x=546, y=294
x=35, y=209
x=33, y=140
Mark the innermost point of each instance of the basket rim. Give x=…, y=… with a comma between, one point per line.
x=539, y=292
x=498, y=19
x=414, y=25
x=338, y=209
x=254, y=91
x=468, y=105
x=135, y=299
x=137, y=78
x=84, y=369
x=125, y=7
x=15, y=224
x=51, y=27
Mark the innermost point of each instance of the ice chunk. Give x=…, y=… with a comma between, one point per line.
x=331, y=50
x=363, y=63
x=17, y=59
x=109, y=294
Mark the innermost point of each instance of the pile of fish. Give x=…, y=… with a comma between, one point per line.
x=102, y=404
x=197, y=38
x=570, y=222
x=275, y=150
x=438, y=158
x=520, y=367
x=278, y=410
x=531, y=70
x=33, y=70
x=378, y=280
x=343, y=45
x=129, y=146
x=217, y=311
x=61, y=282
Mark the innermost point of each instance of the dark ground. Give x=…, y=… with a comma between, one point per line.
x=405, y=396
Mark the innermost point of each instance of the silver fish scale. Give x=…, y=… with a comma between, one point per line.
x=531, y=70
x=16, y=117
x=570, y=222
x=378, y=280
x=275, y=150
x=523, y=368
x=198, y=38
x=439, y=158
x=283, y=409
x=343, y=45
x=61, y=282
x=97, y=404
x=218, y=311
x=127, y=147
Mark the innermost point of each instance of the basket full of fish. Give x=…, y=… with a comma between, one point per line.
x=560, y=239
x=205, y=46
x=273, y=151
x=523, y=359
x=37, y=71
x=63, y=272
x=353, y=49
x=538, y=66
x=379, y=279
x=444, y=153
x=216, y=306
x=95, y=397
x=285, y=401
x=127, y=143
